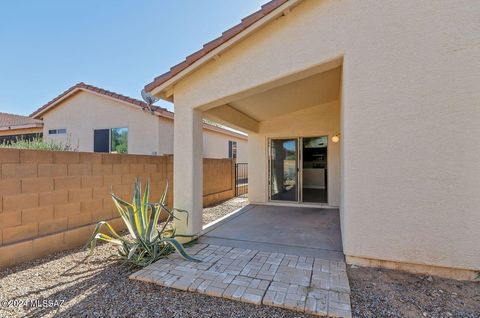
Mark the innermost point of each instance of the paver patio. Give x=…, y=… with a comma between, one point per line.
x=302, y=283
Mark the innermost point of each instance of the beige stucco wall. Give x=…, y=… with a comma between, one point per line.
x=85, y=111
x=215, y=145
x=320, y=120
x=165, y=135
x=409, y=117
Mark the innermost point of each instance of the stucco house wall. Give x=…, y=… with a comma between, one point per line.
x=85, y=111
x=215, y=145
x=409, y=117
x=165, y=136
x=148, y=133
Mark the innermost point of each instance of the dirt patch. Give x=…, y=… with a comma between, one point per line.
x=389, y=293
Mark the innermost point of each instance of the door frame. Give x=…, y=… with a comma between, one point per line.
x=299, y=167
x=269, y=175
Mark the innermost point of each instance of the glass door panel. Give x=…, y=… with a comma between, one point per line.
x=283, y=174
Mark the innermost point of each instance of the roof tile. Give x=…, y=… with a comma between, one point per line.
x=12, y=120
x=81, y=85
x=207, y=47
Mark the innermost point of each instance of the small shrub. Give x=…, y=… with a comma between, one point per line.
x=38, y=143
x=148, y=243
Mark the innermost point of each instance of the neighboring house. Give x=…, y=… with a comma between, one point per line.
x=369, y=106
x=93, y=119
x=13, y=127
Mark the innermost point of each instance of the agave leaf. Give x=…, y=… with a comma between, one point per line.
x=122, y=202
x=136, y=225
x=145, y=203
x=179, y=248
x=171, y=215
x=181, y=211
x=164, y=195
x=168, y=233
x=137, y=193
x=107, y=238
x=153, y=220
x=93, y=238
x=123, y=211
x=137, y=203
x=133, y=249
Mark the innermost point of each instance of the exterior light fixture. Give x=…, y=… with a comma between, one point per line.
x=336, y=138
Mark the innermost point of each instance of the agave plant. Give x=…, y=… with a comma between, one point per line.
x=148, y=242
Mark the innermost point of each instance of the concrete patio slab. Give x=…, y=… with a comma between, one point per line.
x=301, y=283
x=303, y=231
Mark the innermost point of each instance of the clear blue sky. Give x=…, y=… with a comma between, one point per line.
x=47, y=46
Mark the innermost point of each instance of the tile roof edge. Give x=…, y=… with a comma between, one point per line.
x=227, y=35
x=91, y=88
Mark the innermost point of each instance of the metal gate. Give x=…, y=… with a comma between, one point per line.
x=241, y=179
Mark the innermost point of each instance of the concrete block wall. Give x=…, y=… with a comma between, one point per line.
x=218, y=180
x=51, y=201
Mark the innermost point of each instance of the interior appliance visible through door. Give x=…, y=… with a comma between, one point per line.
x=314, y=169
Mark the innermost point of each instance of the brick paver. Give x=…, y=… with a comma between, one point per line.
x=300, y=283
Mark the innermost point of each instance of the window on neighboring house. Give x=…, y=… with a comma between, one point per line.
x=57, y=131
x=113, y=140
x=119, y=140
x=232, y=149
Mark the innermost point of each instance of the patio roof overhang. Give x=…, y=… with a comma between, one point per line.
x=245, y=111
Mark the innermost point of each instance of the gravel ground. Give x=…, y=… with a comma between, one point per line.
x=99, y=287
x=215, y=212
x=389, y=293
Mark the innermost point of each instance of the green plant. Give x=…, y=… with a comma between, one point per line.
x=37, y=143
x=148, y=242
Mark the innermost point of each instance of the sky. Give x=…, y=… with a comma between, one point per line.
x=119, y=45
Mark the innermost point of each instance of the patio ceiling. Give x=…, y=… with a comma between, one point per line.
x=245, y=113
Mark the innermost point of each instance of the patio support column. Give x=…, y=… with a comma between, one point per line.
x=188, y=170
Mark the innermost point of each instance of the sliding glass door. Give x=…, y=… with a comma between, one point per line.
x=297, y=169
x=283, y=170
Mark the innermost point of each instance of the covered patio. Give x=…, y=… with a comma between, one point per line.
x=293, y=126
x=302, y=231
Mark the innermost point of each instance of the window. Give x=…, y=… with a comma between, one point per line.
x=101, y=140
x=113, y=140
x=119, y=140
x=57, y=131
x=232, y=149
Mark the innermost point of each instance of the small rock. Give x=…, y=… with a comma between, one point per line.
x=430, y=278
